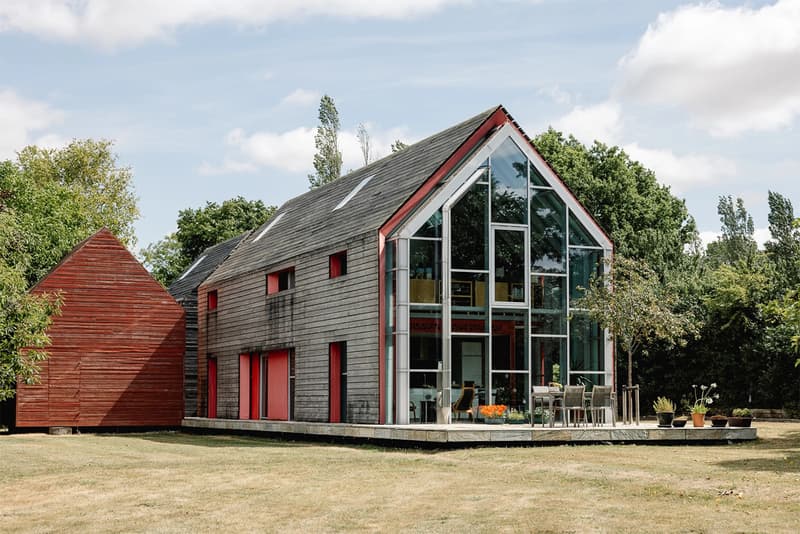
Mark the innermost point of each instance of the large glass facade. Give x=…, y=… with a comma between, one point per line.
x=514, y=254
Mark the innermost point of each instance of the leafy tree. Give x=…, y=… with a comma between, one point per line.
x=642, y=217
x=328, y=159
x=199, y=229
x=398, y=145
x=784, y=249
x=633, y=304
x=60, y=197
x=736, y=242
x=365, y=143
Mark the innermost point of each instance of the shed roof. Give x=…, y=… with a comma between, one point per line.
x=323, y=217
x=202, y=267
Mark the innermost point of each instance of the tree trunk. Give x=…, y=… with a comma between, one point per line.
x=630, y=369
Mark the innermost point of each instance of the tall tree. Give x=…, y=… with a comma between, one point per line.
x=398, y=145
x=199, y=229
x=365, y=143
x=784, y=249
x=328, y=159
x=642, y=217
x=60, y=197
x=634, y=305
x=736, y=242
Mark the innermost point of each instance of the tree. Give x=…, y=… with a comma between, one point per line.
x=60, y=197
x=199, y=229
x=633, y=304
x=328, y=159
x=736, y=242
x=365, y=143
x=784, y=249
x=398, y=145
x=642, y=217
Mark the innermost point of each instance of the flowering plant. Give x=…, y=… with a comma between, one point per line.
x=706, y=397
x=493, y=410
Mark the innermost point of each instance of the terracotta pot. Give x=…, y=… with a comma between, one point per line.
x=698, y=419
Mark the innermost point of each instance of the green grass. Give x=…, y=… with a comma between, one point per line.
x=171, y=482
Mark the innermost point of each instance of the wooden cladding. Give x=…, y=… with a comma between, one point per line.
x=116, y=358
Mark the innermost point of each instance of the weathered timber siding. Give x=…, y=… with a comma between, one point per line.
x=189, y=305
x=116, y=357
x=318, y=311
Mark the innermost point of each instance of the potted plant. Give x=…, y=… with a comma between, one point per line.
x=515, y=417
x=741, y=417
x=493, y=414
x=679, y=422
x=702, y=402
x=541, y=415
x=665, y=411
x=719, y=420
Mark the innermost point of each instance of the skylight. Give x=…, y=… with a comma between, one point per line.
x=270, y=225
x=354, y=192
x=195, y=264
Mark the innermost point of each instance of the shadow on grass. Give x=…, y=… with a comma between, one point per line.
x=786, y=463
x=208, y=440
x=789, y=440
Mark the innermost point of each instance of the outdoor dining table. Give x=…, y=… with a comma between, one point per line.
x=552, y=396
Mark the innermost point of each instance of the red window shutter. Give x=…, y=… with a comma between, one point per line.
x=244, y=386
x=255, y=380
x=212, y=300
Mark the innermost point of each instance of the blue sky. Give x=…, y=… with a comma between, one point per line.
x=209, y=100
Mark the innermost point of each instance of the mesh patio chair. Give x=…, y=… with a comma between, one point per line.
x=601, y=403
x=540, y=394
x=573, y=402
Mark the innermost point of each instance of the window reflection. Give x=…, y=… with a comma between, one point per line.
x=425, y=271
x=548, y=243
x=509, y=170
x=509, y=266
x=469, y=230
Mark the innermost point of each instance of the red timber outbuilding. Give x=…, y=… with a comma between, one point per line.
x=116, y=358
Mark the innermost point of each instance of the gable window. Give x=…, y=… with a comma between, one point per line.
x=212, y=300
x=338, y=264
x=280, y=281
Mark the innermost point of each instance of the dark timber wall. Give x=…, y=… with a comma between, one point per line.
x=116, y=358
x=318, y=311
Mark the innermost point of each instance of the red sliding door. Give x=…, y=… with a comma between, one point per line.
x=277, y=393
x=212, y=387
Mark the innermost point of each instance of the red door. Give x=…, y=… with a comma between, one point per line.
x=278, y=385
x=244, y=386
x=212, y=387
x=335, y=393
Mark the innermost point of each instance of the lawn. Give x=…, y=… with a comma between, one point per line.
x=172, y=482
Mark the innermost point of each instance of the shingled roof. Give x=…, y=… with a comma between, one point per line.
x=202, y=267
x=310, y=221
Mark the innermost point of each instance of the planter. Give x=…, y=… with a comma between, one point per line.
x=698, y=419
x=740, y=421
x=665, y=419
x=494, y=420
x=517, y=421
x=719, y=421
x=679, y=423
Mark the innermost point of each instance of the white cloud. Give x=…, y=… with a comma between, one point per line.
x=556, y=94
x=293, y=151
x=601, y=122
x=20, y=119
x=733, y=69
x=127, y=22
x=682, y=173
x=300, y=97
x=761, y=235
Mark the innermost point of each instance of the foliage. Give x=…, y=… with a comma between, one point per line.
x=663, y=404
x=516, y=415
x=398, y=145
x=705, y=398
x=642, y=217
x=199, y=229
x=736, y=242
x=783, y=250
x=742, y=412
x=328, y=159
x=491, y=411
x=787, y=310
x=60, y=197
x=365, y=143
x=636, y=308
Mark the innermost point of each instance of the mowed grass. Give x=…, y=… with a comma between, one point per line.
x=173, y=482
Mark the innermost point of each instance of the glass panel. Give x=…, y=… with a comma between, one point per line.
x=509, y=184
x=585, y=344
x=548, y=360
x=509, y=266
x=422, y=397
x=583, y=263
x=511, y=389
x=536, y=177
x=578, y=235
x=587, y=379
x=432, y=227
x=426, y=338
x=509, y=340
x=484, y=179
x=469, y=302
x=469, y=233
x=469, y=361
x=548, y=243
x=425, y=271
x=549, y=304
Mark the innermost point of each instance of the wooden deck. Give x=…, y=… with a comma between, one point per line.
x=472, y=434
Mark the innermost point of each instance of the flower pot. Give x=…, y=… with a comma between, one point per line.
x=494, y=420
x=740, y=421
x=719, y=422
x=679, y=423
x=665, y=419
x=698, y=419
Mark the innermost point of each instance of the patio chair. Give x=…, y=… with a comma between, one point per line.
x=540, y=394
x=601, y=402
x=464, y=402
x=573, y=402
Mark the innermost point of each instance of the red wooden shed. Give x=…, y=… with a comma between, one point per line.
x=116, y=358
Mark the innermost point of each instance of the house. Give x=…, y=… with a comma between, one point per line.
x=116, y=358
x=184, y=291
x=378, y=297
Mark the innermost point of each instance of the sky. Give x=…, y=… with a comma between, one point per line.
x=208, y=100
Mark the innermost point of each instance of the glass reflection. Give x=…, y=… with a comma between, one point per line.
x=509, y=170
x=509, y=340
x=432, y=227
x=509, y=266
x=425, y=271
x=583, y=263
x=511, y=389
x=585, y=344
x=548, y=360
x=578, y=235
x=548, y=243
x=469, y=230
x=549, y=304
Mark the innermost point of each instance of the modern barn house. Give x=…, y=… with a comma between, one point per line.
x=116, y=358
x=376, y=298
